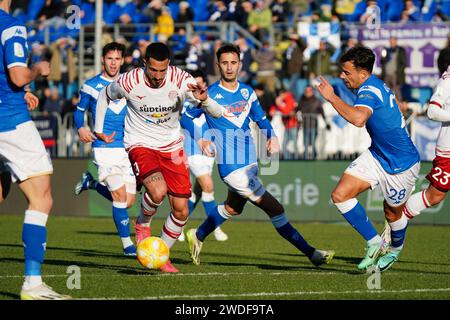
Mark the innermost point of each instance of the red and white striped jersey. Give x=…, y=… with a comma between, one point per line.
x=441, y=98
x=153, y=115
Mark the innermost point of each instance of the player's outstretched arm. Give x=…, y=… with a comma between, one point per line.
x=100, y=112
x=208, y=104
x=357, y=116
x=22, y=76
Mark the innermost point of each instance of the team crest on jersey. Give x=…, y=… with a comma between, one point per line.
x=245, y=93
x=235, y=109
x=173, y=95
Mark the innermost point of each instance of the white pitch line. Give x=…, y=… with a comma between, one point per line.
x=274, y=294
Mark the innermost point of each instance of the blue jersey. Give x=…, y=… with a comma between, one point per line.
x=391, y=144
x=231, y=132
x=115, y=115
x=191, y=147
x=13, y=52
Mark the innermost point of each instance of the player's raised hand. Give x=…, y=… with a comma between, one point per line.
x=273, y=145
x=200, y=92
x=208, y=147
x=86, y=135
x=325, y=88
x=31, y=100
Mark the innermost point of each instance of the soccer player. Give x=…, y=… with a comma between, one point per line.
x=391, y=162
x=155, y=95
x=236, y=158
x=22, y=150
x=201, y=167
x=116, y=180
x=439, y=176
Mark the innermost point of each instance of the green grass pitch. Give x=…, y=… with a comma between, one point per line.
x=255, y=263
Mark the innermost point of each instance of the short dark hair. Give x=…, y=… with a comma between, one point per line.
x=158, y=51
x=226, y=48
x=198, y=74
x=113, y=46
x=361, y=57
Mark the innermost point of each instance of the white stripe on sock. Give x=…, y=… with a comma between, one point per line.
x=400, y=224
x=35, y=217
x=119, y=205
x=207, y=196
x=346, y=206
x=223, y=212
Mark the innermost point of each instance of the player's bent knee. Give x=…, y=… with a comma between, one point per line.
x=337, y=196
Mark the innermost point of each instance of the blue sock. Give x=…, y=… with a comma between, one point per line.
x=103, y=191
x=214, y=220
x=191, y=205
x=398, y=237
x=398, y=232
x=209, y=206
x=358, y=219
x=121, y=220
x=287, y=231
x=34, y=240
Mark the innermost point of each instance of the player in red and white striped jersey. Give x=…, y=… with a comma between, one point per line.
x=155, y=96
x=439, y=176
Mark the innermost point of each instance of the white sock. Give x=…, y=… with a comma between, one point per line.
x=375, y=240
x=31, y=282
x=126, y=242
x=148, y=210
x=416, y=204
x=172, y=229
x=207, y=196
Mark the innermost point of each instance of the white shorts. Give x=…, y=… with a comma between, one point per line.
x=23, y=152
x=396, y=188
x=114, y=161
x=200, y=165
x=245, y=182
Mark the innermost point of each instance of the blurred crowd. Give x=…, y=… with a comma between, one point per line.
x=281, y=73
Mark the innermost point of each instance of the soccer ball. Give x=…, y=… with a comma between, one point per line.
x=152, y=252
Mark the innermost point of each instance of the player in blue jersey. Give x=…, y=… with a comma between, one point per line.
x=116, y=180
x=391, y=162
x=201, y=167
x=236, y=157
x=22, y=150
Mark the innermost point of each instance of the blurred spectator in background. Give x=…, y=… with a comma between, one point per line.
x=53, y=103
x=393, y=64
x=285, y=104
x=220, y=12
x=298, y=7
x=293, y=62
x=444, y=57
x=195, y=57
x=185, y=13
x=242, y=12
x=212, y=70
x=265, y=58
x=245, y=74
x=280, y=12
x=153, y=10
x=70, y=105
x=165, y=26
x=320, y=61
x=260, y=21
x=266, y=99
x=63, y=69
x=309, y=108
